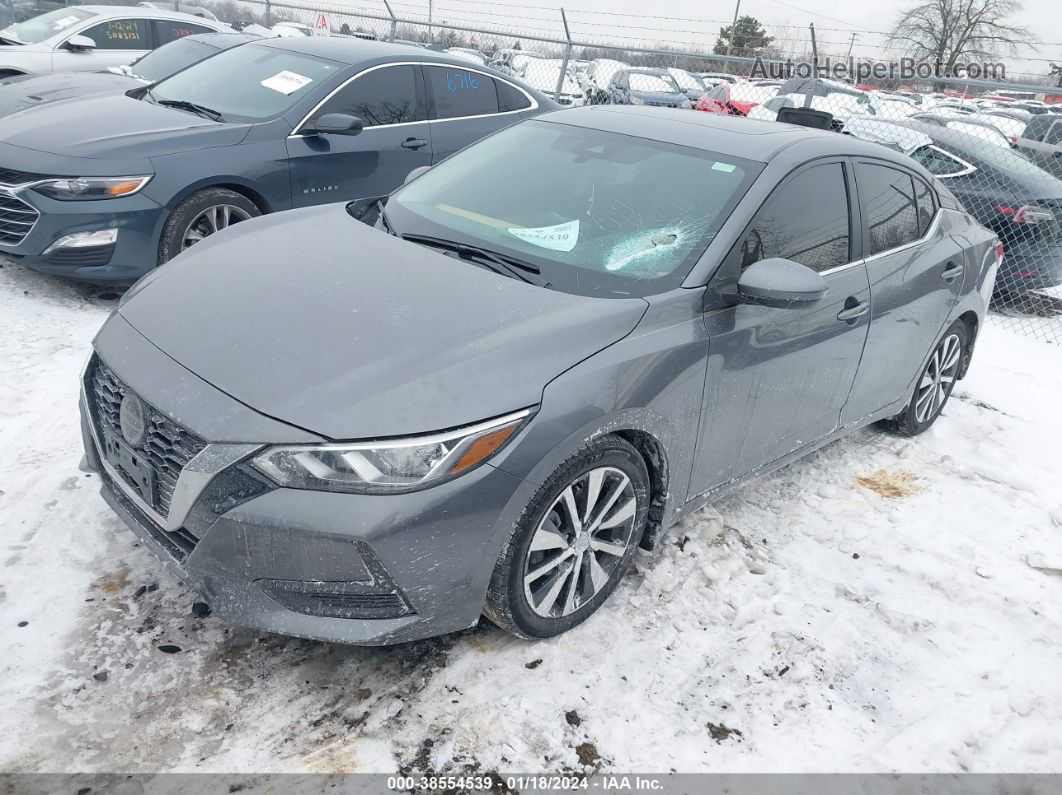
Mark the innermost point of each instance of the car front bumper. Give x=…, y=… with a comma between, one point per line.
x=352, y=568
x=138, y=221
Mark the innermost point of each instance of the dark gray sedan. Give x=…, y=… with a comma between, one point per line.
x=538, y=361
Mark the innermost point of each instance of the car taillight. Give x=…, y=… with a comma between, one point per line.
x=999, y=253
x=1027, y=214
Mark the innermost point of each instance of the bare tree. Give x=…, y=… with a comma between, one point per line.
x=946, y=32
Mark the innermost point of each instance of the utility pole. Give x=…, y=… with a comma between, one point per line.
x=431, y=30
x=733, y=30
x=849, y=55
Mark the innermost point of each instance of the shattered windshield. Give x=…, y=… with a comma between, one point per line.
x=598, y=213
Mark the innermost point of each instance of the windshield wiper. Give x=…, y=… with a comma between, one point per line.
x=492, y=260
x=182, y=104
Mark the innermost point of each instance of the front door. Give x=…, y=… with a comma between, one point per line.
x=395, y=140
x=118, y=42
x=778, y=377
x=916, y=272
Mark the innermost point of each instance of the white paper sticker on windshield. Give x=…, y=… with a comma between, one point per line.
x=722, y=167
x=286, y=82
x=561, y=237
x=59, y=24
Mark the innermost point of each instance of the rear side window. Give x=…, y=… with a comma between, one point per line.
x=806, y=220
x=1037, y=128
x=1054, y=135
x=460, y=92
x=889, y=208
x=121, y=34
x=510, y=98
x=167, y=30
x=380, y=96
x=926, y=206
x=938, y=162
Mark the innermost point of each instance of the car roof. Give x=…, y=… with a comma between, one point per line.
x=354, y=50
x=144, y=11
x=752, y=139
x=224, y=40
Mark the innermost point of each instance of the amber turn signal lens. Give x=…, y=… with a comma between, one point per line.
x=123, y=188
x=483, y=448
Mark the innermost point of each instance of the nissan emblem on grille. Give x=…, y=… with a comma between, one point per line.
x=132, y=417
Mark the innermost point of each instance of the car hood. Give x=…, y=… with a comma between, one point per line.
x=315, y=319
x=115, y=126
x=660, y=97
x=33, y=91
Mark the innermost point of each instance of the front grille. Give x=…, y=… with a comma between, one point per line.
x=167, y=447
x=11, y=176
x=16, y=219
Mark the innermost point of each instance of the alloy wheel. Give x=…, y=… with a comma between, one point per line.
x=580, y=543
x=938, y=378
x=212, y=219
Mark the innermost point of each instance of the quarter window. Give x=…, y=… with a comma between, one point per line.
x=938, y=162
x=510, y=98
x=806, y=220
x=889, y=207
x=167, y=30
x=380, y=96
x=460, y=92
x=120, y=34
x=926, y=207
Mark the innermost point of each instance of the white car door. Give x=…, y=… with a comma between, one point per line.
x=118, y=41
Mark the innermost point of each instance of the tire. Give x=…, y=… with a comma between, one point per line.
x=195, y=211
x=544, y=606
x=934, y=384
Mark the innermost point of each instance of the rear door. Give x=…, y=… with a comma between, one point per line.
x=396, y=139
x=167, y=30
x=778, y=377
x=118, y=42
x=916, y=271
x=466, y=104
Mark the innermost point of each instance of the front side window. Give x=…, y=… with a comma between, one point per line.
x=36, y=30
x=889, y=207
x=378, y=97
x=167, y=30
x=805, y=220
x=581, y=205
x=120, y=34
x=938, y=162
x=253, y=82
x=640, y=81
x=459, y=92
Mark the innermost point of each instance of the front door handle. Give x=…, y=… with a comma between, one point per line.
x=952, y=272
x=414, y=143
x=853, y=312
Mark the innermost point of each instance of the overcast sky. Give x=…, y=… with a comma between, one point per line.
x=697, y=22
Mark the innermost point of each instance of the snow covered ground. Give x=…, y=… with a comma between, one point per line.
x=885, y=605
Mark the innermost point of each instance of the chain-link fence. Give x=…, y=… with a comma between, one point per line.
x=996, y=146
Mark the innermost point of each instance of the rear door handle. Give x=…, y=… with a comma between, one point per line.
x=414, y=143
x=952, y=272
x=854, y=312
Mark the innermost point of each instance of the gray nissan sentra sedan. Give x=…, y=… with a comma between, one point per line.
x=551, y=347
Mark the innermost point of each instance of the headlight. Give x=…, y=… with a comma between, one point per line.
x=89, y=188
x=388, y=466
x=636, y=101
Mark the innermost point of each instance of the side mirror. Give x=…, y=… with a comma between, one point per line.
x=412, y=175
x=335, y=124
x=79, y=42
x=780, y=282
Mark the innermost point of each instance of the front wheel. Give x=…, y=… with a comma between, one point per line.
x=573, y=543
x=934, y=385
x=201, y=215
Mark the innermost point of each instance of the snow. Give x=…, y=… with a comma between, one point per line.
x=886, y=604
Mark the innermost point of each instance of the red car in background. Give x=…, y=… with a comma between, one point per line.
x=734, y=100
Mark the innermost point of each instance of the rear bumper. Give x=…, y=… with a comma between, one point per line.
x=1029, y=267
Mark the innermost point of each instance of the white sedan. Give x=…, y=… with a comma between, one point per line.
x=91, y=38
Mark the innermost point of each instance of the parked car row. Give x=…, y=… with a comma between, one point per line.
x=465, y=385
